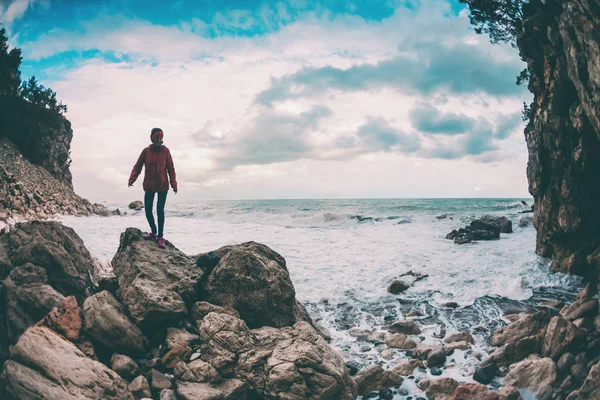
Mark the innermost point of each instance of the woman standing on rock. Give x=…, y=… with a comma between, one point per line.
x=158, y=161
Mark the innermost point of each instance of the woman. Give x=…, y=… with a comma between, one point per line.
x=158, y=162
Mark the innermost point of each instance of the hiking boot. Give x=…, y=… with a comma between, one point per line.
x=161, y=243
x=149, y=236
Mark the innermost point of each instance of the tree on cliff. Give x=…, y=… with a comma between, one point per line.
x=500, y=19
x=31, y=90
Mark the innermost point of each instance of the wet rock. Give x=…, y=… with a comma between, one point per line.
x=471, y=391
x=197, y=371
x=450, y=347
x=578, y=372
x=563, y=365
x=591, y=386
x=490, y=223
x=423, y=350
x=414, y=313
x=124, y=366
x=553, y=303
x=527, y=325
x=485, y=374
x=154, y=283
x=459, y=337
x=41, y=358
x=509, y=393
x=561, y=336
x=135, y=205
x=254, y=280
x=107, y=323
x=375, y=378
x=353, y=367
x=400, y=341
x=397, y=286
x=376, y=337
x=231, y=389
x=438, y=389
x=435, y=371
x=525, y=221
x=361, y=334
x=436, y=358
x=180, y=337
x=406, y=367
x=139, y=387
x=580, y=309
x=65, y=319
x=534, y=373
x=450, y=304
x=515, y=351
x=203, y=308
x=406, y=327
x=159, y=381
x=386, y=394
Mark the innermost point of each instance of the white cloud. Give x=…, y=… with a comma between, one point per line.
x=13, y=10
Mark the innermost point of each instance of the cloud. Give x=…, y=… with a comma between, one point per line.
x=429, y=119
x=15, y=10
x=379, y=134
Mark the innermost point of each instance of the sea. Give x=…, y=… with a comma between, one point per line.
x=342, y=254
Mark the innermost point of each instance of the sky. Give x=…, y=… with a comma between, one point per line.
x=286, y=99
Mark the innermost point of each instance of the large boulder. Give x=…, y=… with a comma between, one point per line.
x=561, y=336
x=55, y=248
x=107, y=323
x=43, y=365
x=375, y=378
x=231, y=389
x=591, y=386
x=534, y=373
x=489, y=223
x=291, y=362
x=254, y=280
x=438, y=389
x=527, y=325
x=155, y=284
x=472, y=391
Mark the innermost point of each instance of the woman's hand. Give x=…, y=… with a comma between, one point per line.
x=175, y=190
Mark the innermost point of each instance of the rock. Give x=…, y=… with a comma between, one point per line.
x=103, y=276
x=490, y=223
x=375, y=378
x=450, y=304
x=516, y=351
x=167, y=394
x=580, y=309
x=471, y=391
x=457, y=346
x=159, y=381
x=533, y=373
x=361, y=334
x=525, y=221
x=422, y=351
x=485, y=374
x=65, y=320
x=231, y=389
x=55, y=248
x=397, y=286
x=197, y=371
x=435, y=371
x=28, y=298
x=207, y=261
x=180, y=337
x=406, y=327
x=578, y=372
x=353, y=367
x=406, y=367
x=386, y=394
x=176, y=355
x=273, y=361
x=590, y=388
x=135, y=205
x=202, y=308
x=438, y=389
x=254, y=280
x=139, y=387
x=527, y=325
x=154, y=283
x=563, y=365
x=553, y=303
x=561, y=336
x=400, y=341
x=414, y=313
x=436, y=358
x=124, y=366
x=43, y=365
x=107, y=323
x=509, y=393
x=588, y=292
x=459, y=337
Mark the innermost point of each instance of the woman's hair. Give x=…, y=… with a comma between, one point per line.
x=154, y=130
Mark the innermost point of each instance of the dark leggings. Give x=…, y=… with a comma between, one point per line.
x=160, y=210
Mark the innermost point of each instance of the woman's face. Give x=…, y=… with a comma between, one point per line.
x=157, y=140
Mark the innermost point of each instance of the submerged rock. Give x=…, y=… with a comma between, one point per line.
x=406, y=327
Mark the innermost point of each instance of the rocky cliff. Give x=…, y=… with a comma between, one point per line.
x=560, y=41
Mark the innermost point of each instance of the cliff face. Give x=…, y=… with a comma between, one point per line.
x=42, y=136
x=560, y=41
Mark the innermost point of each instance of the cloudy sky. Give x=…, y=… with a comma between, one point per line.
x=287, y=99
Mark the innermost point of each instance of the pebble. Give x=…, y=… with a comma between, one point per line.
x=386, y=394
x=435, y=371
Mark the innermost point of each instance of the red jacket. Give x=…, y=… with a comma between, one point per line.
x=158, y=162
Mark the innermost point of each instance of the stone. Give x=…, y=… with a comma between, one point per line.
x=578, y=372
x=353, y=367
x=561, y=336
x=563, y=365
x=450, y=304
x=400, y=341
x=154, y=283
x=489, y=223
x=406, y=327
x=139, y=387
x=485, y=374
x=406, y=367
x=590, y=388
x=159, y=381
x=107, y=323
x=65, y=319
x=527, y=325
x=176, y=355
x=509, y=393
x=42, y=358
x=254, y=280
x=231, y=389
x=534, y=373
x=553, y=304
x=124, y=366
x=580, y=309
x=202, y=308
x=135, y=205
x=435, y=371
x=167, y=394
x=459, y=337
x=197, y=371
x=471, y=391
x=457, y=346
x=438, y=389
x=516, y=351
x=386, y=394
x=436, y=358
x=375, y=378
x=397, y=286
x=180, y=337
